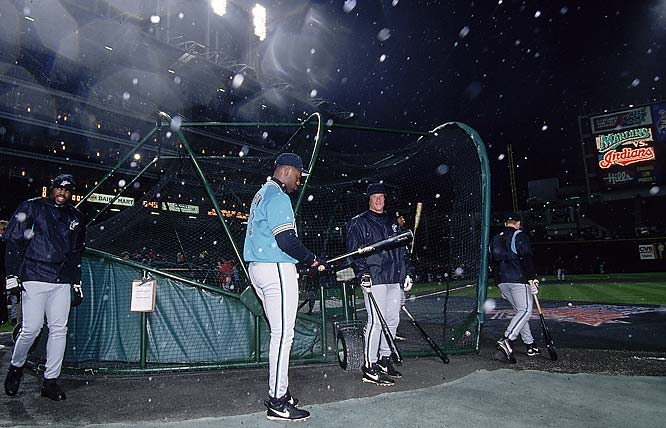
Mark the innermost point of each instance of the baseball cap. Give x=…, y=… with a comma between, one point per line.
x=66, y=181
x=291, y=159
x=376, y=188
x=513, y=216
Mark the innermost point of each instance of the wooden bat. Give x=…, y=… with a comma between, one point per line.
x=388, y=242
x=546, y=334
x=417, y=220
x=395, y=352
x=435, y=347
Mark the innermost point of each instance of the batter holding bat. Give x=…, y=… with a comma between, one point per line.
x=384, y=274
x=515, y=275
x=272, y=249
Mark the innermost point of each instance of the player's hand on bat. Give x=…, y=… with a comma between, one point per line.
x=407, y=285
x=534, y=286
x=78, y=295
x=318, y=264
x=366, y=281
x=14, y=285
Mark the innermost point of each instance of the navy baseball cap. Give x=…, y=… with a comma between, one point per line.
x=376, y=188
x=292, y=159
x=513, y=216
x=65, y=181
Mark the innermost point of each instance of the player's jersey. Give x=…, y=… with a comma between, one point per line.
x=45, y=242
x=511, y=255
x=271, y=213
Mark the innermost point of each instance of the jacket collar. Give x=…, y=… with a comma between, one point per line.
x=275, y=182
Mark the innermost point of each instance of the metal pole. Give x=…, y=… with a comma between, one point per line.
x=115, y=198
x=213, y=199
x=120, y=162
x=322, y=306
x=143, y=344
x=582, y=150
x=313, y=158
x=257, y=339
x=512, y=179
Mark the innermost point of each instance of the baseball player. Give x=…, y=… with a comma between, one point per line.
x=515, y=275
x=45, y=240
x=386, y=274
x=272, y=249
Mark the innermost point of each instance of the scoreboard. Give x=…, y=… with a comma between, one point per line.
x=627, y=149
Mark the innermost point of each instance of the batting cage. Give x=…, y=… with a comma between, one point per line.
x=187, y=234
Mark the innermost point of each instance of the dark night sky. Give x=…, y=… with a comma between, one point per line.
x=519, y=72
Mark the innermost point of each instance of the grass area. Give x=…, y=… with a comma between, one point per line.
x=634, y=288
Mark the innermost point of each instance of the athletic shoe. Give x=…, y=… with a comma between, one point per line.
x=386, y=366
x=375, y=375
x=504, y=345
x=292, y=400
x=533, y=350
x=52, y=390
x=13, y=380
x=281, y=409
x=399, y=336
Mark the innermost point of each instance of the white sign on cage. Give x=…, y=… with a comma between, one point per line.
x=143, y=295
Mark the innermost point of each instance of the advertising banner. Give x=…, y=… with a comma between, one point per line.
x=646, y=252
x=617, y=121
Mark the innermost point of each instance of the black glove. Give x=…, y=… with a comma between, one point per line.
x=14, y=285
x=77, y=297
x=320, y=265
x=366, y=281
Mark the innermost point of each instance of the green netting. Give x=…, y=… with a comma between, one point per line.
x=193, y=242
x=445, y=173
x=191, y=326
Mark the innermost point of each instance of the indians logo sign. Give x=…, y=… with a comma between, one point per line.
x=592, y=315
x=626, y=157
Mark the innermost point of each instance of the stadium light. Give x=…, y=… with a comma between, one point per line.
x=219, y=7
x=259, y=20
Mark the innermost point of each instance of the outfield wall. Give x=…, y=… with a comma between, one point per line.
x=602, y=256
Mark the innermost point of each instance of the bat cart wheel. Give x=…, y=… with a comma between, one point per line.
x=349, y=347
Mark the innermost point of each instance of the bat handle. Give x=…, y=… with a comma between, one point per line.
x=536, y=300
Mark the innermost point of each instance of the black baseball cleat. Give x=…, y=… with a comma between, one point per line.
x=374, y=374
x=386, y=366
x=52, y=390
x=504, y=345
x=13, y=380
x=533, y=350
x=280, y=409
x=399, y=336
x=291, y=399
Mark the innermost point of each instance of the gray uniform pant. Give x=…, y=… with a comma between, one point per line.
x=40, y=299
x=276, y=285
x=521, y=300
x=389, y=300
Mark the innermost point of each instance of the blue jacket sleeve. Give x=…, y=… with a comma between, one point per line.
x=290, y=244
x=524, y=249
x=354, y=242
x=17, y=237
x=78, y=247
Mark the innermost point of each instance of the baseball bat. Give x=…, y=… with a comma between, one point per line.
x=417, y=220
x=404, y=236
x=435, y=347
x=395, y=353
x=546, y=334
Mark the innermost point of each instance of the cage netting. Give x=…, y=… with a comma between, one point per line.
x=176, y=233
